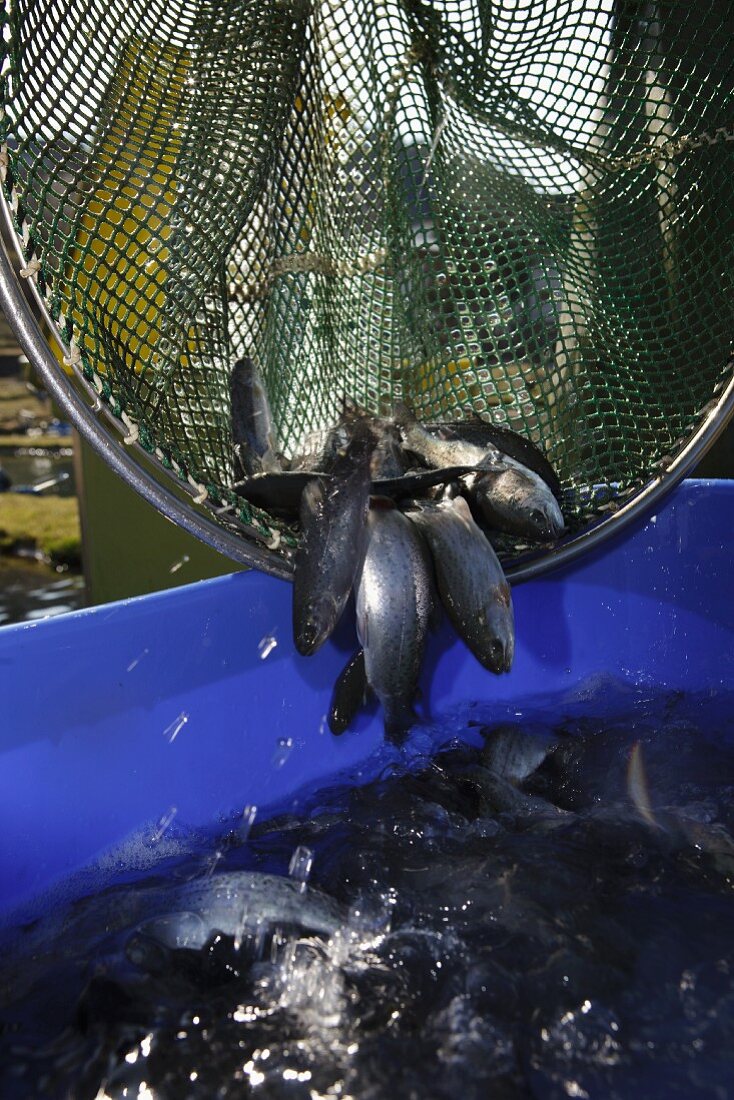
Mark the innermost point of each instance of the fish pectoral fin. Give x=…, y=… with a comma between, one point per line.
x=492, y=463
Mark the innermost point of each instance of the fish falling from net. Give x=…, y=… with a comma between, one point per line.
x=403, y=515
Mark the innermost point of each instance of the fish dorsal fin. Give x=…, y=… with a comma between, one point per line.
x=492, y=462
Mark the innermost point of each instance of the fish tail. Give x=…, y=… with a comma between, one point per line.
x=399, y=717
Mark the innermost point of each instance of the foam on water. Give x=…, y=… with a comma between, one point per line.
x=561, y=934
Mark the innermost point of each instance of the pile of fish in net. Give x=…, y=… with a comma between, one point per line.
x=404, y=515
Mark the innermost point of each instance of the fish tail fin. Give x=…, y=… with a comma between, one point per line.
x=399, y=717
x=350, y=691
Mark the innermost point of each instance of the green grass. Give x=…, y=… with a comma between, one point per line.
x=49, y=524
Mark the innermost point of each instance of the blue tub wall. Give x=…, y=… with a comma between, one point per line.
x=90, y=700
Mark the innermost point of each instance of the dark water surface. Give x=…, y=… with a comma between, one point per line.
x=458, y=934
x=32, y=590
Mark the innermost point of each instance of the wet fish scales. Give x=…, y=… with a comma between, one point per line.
x=333, y=538
x=510, y=443
x=432, y=449
x=394, y=605
x=470, y=580
x=253, y=432
x=516, y=501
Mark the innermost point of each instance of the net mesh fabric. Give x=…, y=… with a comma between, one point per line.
x=517, y=209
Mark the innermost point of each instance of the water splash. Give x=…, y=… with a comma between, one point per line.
x=247, y=820
x=172, y=731
x=300, y=865
x=266, y=645
x=163, y=825
x=283, y=749
x=136, y=660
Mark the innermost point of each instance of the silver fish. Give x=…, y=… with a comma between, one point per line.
x=497, y=795
x=179, y=914
x=516, y=500
x=436, y=451
x=394, y=605
x=485, y=434
x=333, y=537
x=470, y=581
x=513, y=753
x=235, y=904
x=253, y=432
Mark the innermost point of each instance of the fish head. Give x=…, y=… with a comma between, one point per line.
x=546, y=518
x=523, y=500
x=498, y=635
x=314, y=622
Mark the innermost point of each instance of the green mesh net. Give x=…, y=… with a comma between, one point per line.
x=522, y=209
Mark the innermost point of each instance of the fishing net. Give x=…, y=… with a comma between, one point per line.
x=521, y=209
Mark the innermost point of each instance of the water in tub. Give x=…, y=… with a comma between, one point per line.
x=543, y=908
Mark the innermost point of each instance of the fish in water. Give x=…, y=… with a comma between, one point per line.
x=333, y=536
x=471, y=583
x=512, y=752
x=394, y=606
x=235, y=904
x=348, y=695
x=253, y=433
x=164, y=914
x=515, y=500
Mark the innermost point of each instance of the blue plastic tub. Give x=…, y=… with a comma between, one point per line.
x=112, y=716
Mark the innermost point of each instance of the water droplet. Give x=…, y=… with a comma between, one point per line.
x=177, y=564
x=172, y=731
x=300, y=865
x=163, y=825
x=212, y=863
x=282, y=751
x=247, y=821
x=266, y=646
x=136, y=661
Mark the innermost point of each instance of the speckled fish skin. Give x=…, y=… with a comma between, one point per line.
x=470, y=581
x=517, y=501
x=513, y=753
x=333, y=538
x=348, y=694
x=394, y=606
x=434, y=450
x=510, y=443
x=236, y=901
x=253, y=432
